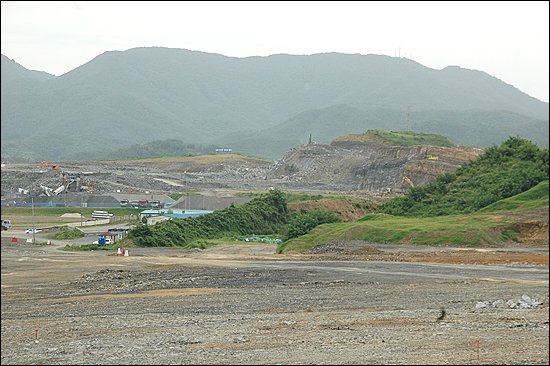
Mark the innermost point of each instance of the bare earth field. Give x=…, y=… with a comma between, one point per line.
x=342, y=303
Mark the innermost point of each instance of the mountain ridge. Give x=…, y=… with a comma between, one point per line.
x=159, y=93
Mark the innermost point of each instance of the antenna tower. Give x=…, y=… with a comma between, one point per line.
x=408, y=118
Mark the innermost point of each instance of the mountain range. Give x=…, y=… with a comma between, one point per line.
x=258, y=106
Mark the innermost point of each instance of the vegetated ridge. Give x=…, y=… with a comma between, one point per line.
x=266, y=215
x=500, y=172
x=120, y=99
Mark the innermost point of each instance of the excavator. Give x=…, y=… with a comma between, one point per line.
x=408, y=180
x=53, y=166
x=433, y=157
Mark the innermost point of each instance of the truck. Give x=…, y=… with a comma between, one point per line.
x=157, y=204
x=103, y=241
x=6, y=225
x=143, y=203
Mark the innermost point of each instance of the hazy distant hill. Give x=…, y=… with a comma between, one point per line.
x=11, y=70
x=474, y=128
x=120, y=99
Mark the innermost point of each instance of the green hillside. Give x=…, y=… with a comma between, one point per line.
x=500, y=172
x=120, y=99
x=536, y=197
x=471, y=230
x=265, y=215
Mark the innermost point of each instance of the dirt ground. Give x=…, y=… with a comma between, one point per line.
x=342, y=302
x=243, y=304
x=457, y=256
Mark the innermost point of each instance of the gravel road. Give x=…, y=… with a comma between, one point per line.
x=243, y=304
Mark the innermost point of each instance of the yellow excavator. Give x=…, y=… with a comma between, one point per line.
x=408, y=180
x=433, y=157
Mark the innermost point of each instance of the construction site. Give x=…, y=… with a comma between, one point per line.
x=340, y=302
x=346, y=166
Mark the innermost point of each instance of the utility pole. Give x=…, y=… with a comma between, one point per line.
x=408, y=118
x=81, y=208
x=33, y=231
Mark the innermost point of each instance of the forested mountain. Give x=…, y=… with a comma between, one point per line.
x=120, y=99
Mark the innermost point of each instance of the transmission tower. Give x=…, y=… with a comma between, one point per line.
x=408, y=118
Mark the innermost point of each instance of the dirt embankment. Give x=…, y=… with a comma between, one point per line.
x=350, y=211
x=465, y=256
x=366, y=165
x=531, y=225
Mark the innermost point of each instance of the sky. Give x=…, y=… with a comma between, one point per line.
x=507, y=40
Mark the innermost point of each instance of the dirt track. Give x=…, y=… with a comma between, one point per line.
x=244, y=305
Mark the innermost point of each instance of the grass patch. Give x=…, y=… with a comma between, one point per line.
x=409, y=138
x=37, y=243
x=65, y=234
x=89, y=247
x=458, y=230
x=536, y=197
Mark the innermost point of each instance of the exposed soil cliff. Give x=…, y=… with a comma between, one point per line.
x=369, y=164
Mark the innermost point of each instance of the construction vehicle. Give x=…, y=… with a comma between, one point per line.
x=433, y=157
x=6, y=225
x=408, y=180
x=53, y=166
x=157, y=204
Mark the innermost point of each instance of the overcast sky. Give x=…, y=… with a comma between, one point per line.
x=508, y=40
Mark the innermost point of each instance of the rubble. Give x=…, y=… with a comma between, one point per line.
x=525, y=302
x=342, y=166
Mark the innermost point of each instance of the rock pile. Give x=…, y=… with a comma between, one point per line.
x=339, y=246
x=525, y=302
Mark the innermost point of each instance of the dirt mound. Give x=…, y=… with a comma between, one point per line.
x=350, y=211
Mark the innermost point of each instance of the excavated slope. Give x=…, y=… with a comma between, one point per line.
x=369, y=165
